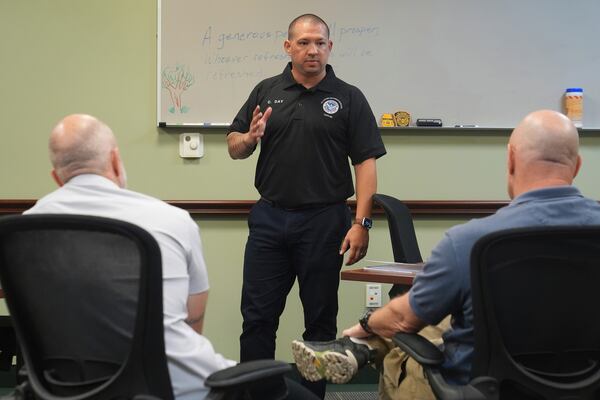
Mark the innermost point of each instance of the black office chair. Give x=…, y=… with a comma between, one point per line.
x=85, y=295
x=537, y=331
x=402, y=234
x=8, y=343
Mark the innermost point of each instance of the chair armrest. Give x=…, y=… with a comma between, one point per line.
x=246, y=372
x=430, y=357
x=481, y=388
x=420, y=349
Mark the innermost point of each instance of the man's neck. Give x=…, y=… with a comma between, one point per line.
x=541, y=184
x=310, y=80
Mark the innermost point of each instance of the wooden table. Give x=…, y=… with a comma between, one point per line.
x=366, y=275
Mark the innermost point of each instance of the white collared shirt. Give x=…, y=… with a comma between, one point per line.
x=190, y=356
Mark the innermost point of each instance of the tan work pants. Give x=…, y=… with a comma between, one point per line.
x=402, y=378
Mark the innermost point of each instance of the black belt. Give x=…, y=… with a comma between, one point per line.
x=300, y=207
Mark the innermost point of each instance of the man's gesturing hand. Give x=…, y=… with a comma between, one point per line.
x=257, y=126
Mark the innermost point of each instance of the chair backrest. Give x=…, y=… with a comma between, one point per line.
x=85, y=295
x=402, y=234
x=535, y=300
x=402, y=230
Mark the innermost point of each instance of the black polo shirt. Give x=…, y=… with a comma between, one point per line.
x=310, y=135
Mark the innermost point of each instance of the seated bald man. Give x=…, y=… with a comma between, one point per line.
x=88, y=168
x=543, y=159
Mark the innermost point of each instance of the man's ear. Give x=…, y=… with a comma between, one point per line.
x=115, y=160
x=117, y=170
x=510, y=159
x=287, y=45
x=577, y=166
x=56, y=178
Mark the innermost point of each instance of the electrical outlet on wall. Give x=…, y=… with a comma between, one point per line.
x=373, y=297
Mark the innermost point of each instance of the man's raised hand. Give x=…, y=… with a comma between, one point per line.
x=258, y=125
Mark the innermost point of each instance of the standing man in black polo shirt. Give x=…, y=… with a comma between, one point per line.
x=308, y=123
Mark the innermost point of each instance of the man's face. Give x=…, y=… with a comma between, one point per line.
x=309, y=48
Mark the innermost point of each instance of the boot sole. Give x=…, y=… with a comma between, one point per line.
x=330, y=365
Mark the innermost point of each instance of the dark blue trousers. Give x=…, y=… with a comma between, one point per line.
x=284, y=245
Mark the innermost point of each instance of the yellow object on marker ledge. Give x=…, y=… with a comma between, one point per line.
x=387, y=120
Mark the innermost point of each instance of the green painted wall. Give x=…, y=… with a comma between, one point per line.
x=99, y=57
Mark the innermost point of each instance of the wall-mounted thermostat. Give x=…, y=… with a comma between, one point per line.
x=191, y=145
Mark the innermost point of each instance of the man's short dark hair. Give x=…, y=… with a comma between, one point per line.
x=307, y=17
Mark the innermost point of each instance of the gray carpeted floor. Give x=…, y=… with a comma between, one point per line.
x=352, y=392
x=351, y=396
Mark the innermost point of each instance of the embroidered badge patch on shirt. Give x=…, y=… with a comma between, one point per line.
x=331, y=105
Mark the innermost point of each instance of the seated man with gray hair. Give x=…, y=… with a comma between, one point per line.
x=543, y=159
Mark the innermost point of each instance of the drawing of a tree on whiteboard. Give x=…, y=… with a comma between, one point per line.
x=177, y=81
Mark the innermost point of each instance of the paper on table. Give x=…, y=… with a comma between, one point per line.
x=401, y=268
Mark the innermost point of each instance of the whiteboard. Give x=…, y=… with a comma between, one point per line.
x=465, y=61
